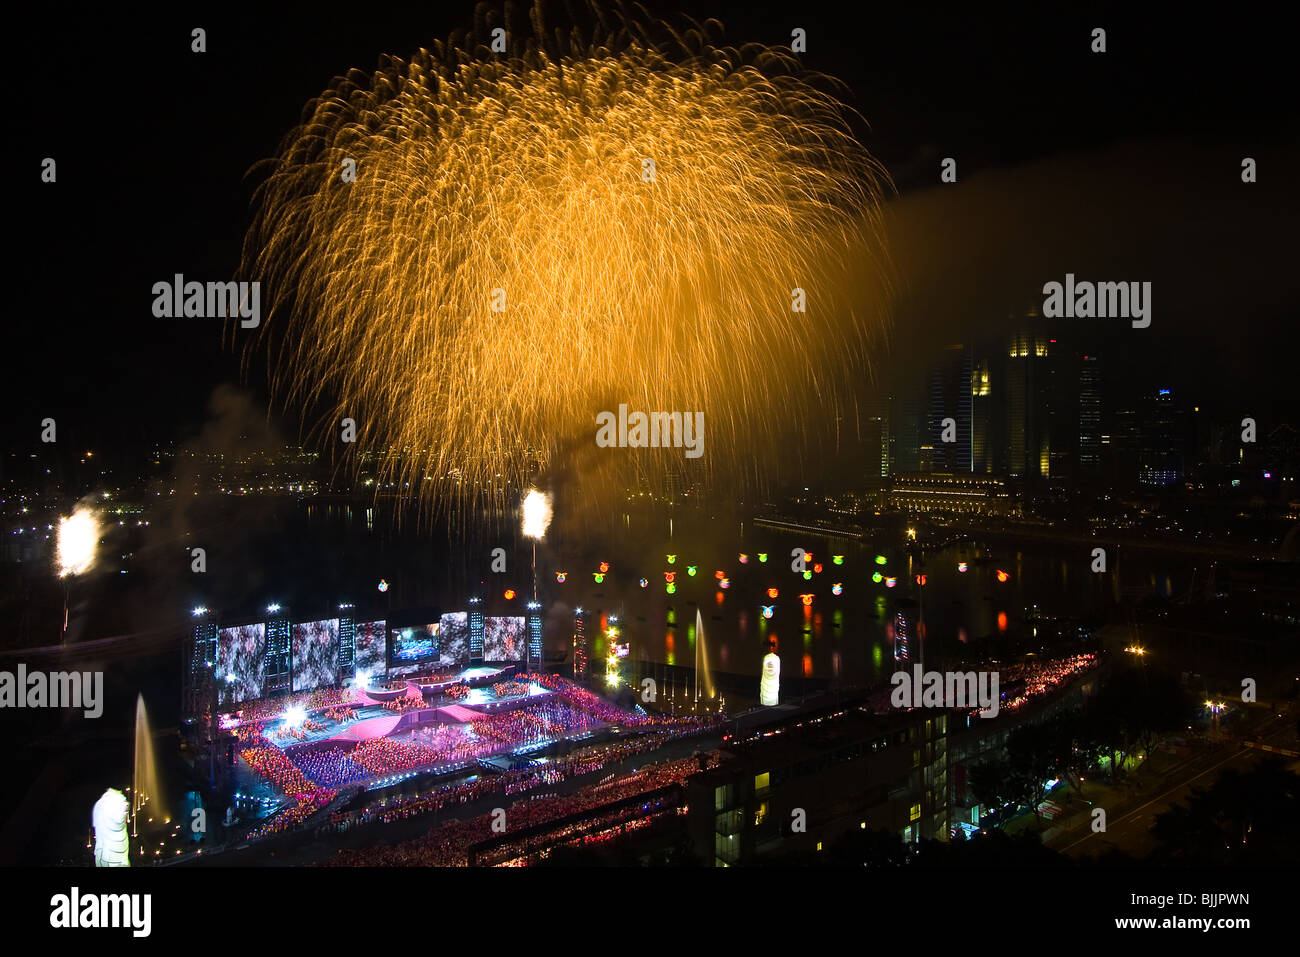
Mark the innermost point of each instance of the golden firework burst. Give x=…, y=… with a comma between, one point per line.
x=535, y=237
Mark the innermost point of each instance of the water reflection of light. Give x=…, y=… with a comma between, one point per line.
x=1002, y=621
x=961, y=635
x=876, y=655
x=837, y=662
x=807, y=666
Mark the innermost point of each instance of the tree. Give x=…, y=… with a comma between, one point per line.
x=1250, y=818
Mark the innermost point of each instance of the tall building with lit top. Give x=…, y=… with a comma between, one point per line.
x=981, y=417
x=1028, y=438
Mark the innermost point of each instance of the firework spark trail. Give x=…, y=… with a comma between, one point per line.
x=477, y=173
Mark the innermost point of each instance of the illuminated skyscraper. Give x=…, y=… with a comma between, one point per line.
x=1089, y=416
x=1028, y=437
x=981, y=414
x=950, y=398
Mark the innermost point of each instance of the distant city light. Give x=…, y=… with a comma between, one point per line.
x=272, y=608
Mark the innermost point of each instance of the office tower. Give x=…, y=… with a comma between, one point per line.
x=981, y=437
x=1090, y=387
x=950, y=398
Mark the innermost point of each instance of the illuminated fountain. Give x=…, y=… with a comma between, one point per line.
x=146, y=787
x=701, y=659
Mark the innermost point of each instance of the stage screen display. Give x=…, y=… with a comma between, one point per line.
x=417, y=643
x=453, y=639
x=371, y=648
x=241, y=662
x=504, y=639
x=315, y=654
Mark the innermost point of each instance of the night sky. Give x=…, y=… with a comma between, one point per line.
x=1122, y=166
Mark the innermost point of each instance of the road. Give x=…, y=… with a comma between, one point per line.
x=1130, y=830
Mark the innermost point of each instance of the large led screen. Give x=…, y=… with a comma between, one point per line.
x=453, y=639
x=315, y=654
x=416, y=643
x=504, y=639
x=371, y=657
x=241, y=662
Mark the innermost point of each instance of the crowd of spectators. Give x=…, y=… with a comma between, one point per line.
x=448, y=845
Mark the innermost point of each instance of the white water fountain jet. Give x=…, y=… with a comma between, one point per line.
x=146, y=787
x=701, y=659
